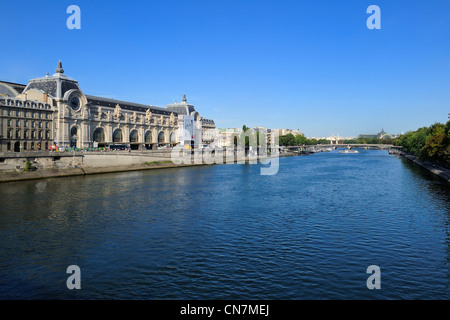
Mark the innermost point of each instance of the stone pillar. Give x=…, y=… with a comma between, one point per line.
x=85, y=135
x=126, y=134
x=63, y=133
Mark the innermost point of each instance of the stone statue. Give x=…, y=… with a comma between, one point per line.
x=148, y=116
x=117, y=112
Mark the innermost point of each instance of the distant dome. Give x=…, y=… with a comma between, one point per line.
x=182, y=108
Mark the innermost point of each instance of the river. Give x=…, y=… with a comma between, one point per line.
x=227, y=232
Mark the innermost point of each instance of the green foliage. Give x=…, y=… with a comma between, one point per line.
x=447, y=129
x=428, y=143
x=299, y=140
x=246, y=135
x=362, y=140
x=312, y=142
x=156, y=162
x=28, y=166
x=287, y=140
x=435, y=148
x=323, y=141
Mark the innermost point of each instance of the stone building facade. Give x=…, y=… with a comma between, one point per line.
x=25, y=125
x=62, y=115
x=204, y=130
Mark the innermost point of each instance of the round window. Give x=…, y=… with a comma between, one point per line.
x=75, y=103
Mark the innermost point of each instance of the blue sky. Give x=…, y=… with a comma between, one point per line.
x=311, y=65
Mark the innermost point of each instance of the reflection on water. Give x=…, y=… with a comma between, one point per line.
x=226, y=232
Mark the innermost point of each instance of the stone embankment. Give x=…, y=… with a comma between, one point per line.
x=79, y=171
x=433, y=168
x=13, y=167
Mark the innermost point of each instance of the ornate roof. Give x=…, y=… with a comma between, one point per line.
x=111, y=103
x=182, y=108
x=56, y=85
x=209, y=121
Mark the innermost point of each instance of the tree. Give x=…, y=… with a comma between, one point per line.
x=323, y=141
x=300, y=140
x=249, y=135
x=429, y=143
x=287, y=140
x=434, y=149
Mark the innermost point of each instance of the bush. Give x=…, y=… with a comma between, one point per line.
x=28, y=166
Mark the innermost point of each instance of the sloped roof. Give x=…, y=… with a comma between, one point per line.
x=131, y=106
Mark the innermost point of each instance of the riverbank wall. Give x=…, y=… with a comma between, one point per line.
x=53, y=164
x=431, y=167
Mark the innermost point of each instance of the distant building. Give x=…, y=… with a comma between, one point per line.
x=202, y=130
x=381, y=135
x=294, y=132
x=226, y=137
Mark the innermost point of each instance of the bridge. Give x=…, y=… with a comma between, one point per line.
x=326, y=147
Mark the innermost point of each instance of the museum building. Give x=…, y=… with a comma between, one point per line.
x=54, y=111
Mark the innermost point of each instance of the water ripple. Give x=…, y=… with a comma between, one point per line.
x=226, y=232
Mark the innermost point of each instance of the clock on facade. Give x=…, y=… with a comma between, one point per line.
x=75, y=103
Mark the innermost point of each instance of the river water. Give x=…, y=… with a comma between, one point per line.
x=227, y=232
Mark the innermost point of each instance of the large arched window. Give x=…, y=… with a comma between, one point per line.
x=148, y=137
x=134, y=137
x=173, y=138
x=161, y=137
x=117, y=135
x=99, y=135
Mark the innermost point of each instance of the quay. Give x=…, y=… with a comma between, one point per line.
x=13, y=166
x=431, y=167
x=78, y=163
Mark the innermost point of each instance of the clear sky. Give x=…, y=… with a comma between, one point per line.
x=308, y=65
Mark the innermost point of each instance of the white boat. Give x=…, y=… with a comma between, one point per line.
x=348, y=150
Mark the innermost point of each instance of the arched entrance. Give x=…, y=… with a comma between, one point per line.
x=173, y=139
x=148, y=140
x=134, y=140
x=74, y=137
x=99, y=137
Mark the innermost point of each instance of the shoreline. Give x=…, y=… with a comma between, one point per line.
x=167, y=164
x=431, y=167
x=85, y=171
